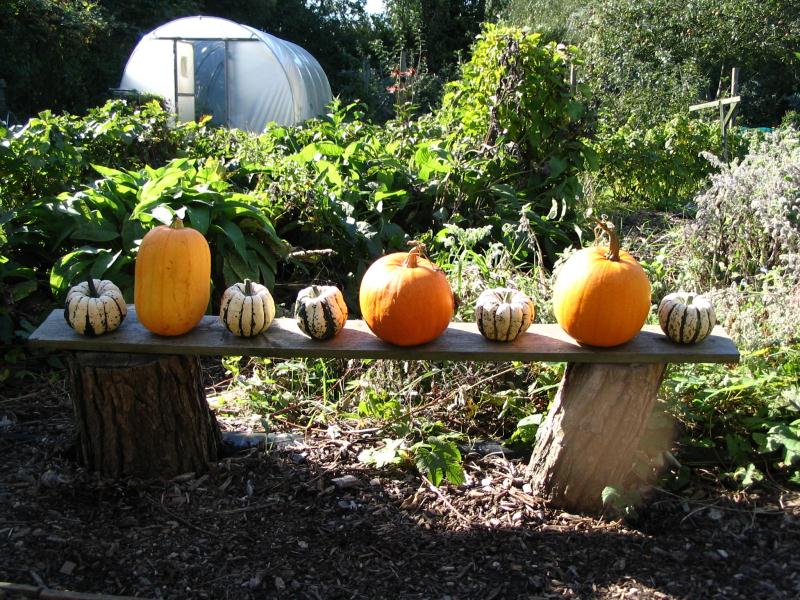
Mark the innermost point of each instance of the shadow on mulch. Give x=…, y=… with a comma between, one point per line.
x=281, y=523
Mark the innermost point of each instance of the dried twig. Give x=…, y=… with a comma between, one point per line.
x=186, y=522
x=45, y=593
x=447, y=502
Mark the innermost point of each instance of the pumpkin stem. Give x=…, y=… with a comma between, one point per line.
x=414, y=254
x=508, y=296
x=314, y=290
x=177, y=223
x=92, y=290
x=613, y=245
x=689, y=299
x=248, y=287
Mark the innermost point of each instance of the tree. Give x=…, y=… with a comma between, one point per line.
x=651, y=58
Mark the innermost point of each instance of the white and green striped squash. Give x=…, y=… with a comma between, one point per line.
x=686, y=318
x=503, y=314
x=95, y=307
x=320, y=311
x=247, y=309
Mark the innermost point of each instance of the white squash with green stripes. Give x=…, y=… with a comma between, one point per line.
x=503, y=314
x=686, y=318
x=320, y=311
x=95, y=307
x=247, y=309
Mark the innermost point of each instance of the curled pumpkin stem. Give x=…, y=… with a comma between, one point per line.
x=417, y=251
x=613, y=241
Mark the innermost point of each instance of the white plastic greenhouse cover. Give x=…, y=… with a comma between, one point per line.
x=241, y=76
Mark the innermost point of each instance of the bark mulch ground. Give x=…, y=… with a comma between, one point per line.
x=307, y=520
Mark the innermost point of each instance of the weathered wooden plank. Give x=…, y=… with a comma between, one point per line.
x=461, y=341
x=715, y=103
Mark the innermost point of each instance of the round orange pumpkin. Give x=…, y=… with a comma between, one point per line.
x=405, y=299
x=173, y=273
x=602, y=295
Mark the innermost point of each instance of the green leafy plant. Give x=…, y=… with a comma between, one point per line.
x=747, y=414
x=53, y=153
x=656, y=168
x=436, y=457
x=527, y=428
x=96, y=231
x=518, y=134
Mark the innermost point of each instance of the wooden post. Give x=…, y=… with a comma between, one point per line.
x=592, y=432
x=726, y=120
x=734, y=92
x=142, y=415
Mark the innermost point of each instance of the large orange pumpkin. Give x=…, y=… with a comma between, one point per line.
x=173, y=273
x=602, y=295
x=405, y=299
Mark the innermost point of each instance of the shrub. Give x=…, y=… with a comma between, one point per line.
x=748, y=221
x=518, y=133
x=55, y=153
x=658, y=168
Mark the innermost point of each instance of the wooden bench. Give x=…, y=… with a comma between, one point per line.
x=140, y=405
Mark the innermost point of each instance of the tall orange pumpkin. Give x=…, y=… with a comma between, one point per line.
x=602, y=295
x=405, y=299
x=173, y=273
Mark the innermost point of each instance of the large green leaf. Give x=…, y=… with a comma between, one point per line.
x=315, y=150
x=245, y=267
x=95, y=231
x=439, y=459
x=786, y=435
x=22, y=290
x=230, y=230
x=155, y=189
x=68, y=268
x=103, y=262
x=199, y=217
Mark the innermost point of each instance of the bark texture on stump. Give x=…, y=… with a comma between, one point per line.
x=592, y=432
x=142, y=415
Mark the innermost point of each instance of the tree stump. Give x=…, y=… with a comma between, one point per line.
x=142, y=415
x=592, y=432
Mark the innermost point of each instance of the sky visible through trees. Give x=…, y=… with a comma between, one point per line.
x=375, y=6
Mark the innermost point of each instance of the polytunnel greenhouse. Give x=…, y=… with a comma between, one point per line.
x=241, y=76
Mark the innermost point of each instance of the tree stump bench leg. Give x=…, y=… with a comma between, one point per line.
x=591, y=435
x=142, y=415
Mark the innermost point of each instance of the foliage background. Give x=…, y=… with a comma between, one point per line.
x=648, y=60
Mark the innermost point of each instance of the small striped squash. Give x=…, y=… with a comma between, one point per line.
x=320, y=311
x=503, y=314
x=247, y=309
x=95, y=307
x=686, y=318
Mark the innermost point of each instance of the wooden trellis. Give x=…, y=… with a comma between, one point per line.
x=726, y=119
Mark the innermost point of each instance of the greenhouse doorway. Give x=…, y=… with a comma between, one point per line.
x=201, y=80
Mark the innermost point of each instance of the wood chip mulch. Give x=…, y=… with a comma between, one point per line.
x=307, y=520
